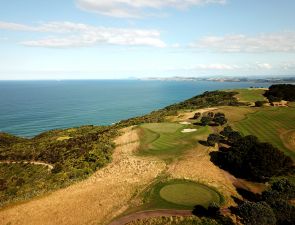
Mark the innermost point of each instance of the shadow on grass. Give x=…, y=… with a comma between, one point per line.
x=203, y=143
x=212, y=212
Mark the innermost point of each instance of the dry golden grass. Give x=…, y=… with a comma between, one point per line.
x=62, y=138
x=196, y=165
x=186, y=115
x=96, y=200
x=234, y=114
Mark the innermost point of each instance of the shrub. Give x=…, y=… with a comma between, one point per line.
x=256, y=214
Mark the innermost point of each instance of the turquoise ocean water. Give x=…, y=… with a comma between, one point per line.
x=28, y=108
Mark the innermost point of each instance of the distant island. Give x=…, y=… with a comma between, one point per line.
x=274, y=79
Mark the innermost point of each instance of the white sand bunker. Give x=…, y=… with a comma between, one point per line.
x=188, y=130
x=185, y=123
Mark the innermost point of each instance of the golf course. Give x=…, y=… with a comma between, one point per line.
x=161, y=166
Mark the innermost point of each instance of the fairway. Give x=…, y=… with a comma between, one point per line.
x=268, y=125
x=167, y=141
x=188, y=194
x=250, y=95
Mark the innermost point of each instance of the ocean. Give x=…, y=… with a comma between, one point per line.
x=28, y=108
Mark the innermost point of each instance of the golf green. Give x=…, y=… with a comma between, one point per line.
x=189, y=194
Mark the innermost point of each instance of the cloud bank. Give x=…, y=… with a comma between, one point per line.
x=68, y=34
x=137, y=8
x=263, y=43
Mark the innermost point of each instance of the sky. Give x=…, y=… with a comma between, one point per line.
x=115, y=39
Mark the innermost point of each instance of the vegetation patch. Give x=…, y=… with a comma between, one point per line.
x=173, y=220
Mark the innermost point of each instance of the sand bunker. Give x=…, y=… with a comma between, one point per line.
x=188, y=130
x=185, y=123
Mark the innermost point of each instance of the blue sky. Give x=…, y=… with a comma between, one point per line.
x=113, y=39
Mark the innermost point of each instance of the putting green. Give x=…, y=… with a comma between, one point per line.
x=189, y=194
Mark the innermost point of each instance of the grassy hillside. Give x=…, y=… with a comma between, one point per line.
x=270, y=125
x=250, y=95
x=74, y=154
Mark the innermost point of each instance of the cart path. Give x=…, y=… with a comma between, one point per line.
x=149, y=214
x=49, y=166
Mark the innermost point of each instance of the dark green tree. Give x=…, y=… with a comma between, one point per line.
x=213, y=139
x=205, y=120
x=256, y=214
x=259, y=103
x=221, y=120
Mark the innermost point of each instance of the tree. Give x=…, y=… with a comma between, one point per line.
x=259, y=103
x=196, y=116
x=226, y=131
x=278, y=196
x=213, y=139
x=234, y=136
x=210, y=114
x=221, y=120
x=256, y=213
x=280, y=92
x=205, y=120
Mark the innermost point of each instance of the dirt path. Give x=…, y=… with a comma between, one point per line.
x=149, y=214
x=97, y=200
x=49, y=166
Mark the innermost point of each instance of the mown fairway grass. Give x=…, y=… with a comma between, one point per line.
x=166, y=141
x=250, y=95
x=180, y=194
x=268, y=125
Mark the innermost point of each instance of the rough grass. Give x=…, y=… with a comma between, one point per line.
x=22, y=181
x=250, y=95
x=173, y=220
x=235, y=114
x=97, y=200
x=268, y=124
x=166, y=141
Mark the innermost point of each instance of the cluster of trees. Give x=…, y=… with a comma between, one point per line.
x=213, y=119
x=249, y=158
x=272, y=207
x=207, y=99
x=280, y=92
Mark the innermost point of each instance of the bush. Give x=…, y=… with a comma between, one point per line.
x=256, y=214
x=259, y=103
x=213, y=139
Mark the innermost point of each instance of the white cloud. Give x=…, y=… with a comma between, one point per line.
x=264, y=66
x=216, y=66
x=77, y=34
x=137, y=8
x=271, y=42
